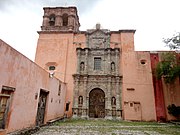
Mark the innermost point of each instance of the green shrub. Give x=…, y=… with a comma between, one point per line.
x=174, y=110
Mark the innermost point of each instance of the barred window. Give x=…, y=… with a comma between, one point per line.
x=97, y=63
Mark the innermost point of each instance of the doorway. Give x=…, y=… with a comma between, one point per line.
x=41, y=108
x=5, y=101
x=97, y=103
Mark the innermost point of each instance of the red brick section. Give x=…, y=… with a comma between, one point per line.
x=178, y=61
x=158, y=90
x=2, y=132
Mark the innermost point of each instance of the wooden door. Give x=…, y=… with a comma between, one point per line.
x=41, y=108
x=4, y=106
x=97, y=104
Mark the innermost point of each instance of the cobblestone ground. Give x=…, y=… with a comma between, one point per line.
x=86, y=130
x=90, y=129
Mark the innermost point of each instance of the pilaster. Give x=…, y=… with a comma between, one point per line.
x=78, y=51
x=76, y=91
x=84, y=107
x=58, y=21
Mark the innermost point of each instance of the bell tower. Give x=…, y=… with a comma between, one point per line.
x=60, y=19
x=56, y=48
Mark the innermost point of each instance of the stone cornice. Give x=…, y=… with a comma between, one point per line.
x=85, y=32
x=55, y=31
x=102, y=76
x=123, y=31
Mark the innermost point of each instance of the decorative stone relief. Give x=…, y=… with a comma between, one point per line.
x=107, y=79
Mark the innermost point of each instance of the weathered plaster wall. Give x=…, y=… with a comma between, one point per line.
x=138, y=92
x=158, y=90
x=60, y=48
x=171, y=93
x=27, y=78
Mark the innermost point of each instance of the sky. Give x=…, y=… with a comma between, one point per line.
x=153, y=20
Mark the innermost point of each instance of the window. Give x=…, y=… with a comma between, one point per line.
x=143, y=62
x=52, y=20
x=131, y=104
x=65, y=19
x=67, y=106
x=97, y=63
x=52, y=67
x=59, y=90
x=131, y=89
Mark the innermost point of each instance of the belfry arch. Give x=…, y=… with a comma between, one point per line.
x=97, y=103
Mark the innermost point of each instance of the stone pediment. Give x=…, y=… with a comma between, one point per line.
x=98, y=32
x=98, y=38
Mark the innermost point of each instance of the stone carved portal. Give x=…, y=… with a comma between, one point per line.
x=96, y=103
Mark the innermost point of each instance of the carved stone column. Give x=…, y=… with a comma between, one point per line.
x=86, y=61
x=117, y=61
x=78, y=51
x=45, y=21
x=87, y=101
x=84, y=107
x=109, y=61
x=58, y=20
x=70, y=22
x=118, y=98
x=108, y=102
x=76, y=92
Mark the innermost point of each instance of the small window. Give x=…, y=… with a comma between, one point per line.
x=97, y=63
x=143, y=62
x=67, y=106
x=131, y=104
x=131, y=89
x=52, y=67
x=59, y=90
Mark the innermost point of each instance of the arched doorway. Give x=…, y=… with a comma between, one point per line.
x=97, y=103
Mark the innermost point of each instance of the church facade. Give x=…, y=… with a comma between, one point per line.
x=103, y=73
x=98, y=82
x=81, y=74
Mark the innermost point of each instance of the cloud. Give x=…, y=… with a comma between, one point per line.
x=83, y=5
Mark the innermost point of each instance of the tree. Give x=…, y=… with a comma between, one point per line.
x=174, y=110
x=173, y=42
x=168, y=68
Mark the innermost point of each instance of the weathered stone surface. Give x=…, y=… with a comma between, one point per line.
x=97, y=70
x=92, y=130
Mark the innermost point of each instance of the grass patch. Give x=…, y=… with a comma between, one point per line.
x=113, y=126
x=101, y=122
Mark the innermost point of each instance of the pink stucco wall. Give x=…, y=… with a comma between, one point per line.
x=171, y=92
x=137, y=87
x=60, y=48
x=158, y=89
x=28, y=78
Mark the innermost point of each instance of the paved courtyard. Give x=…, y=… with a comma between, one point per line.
x=107, y=127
